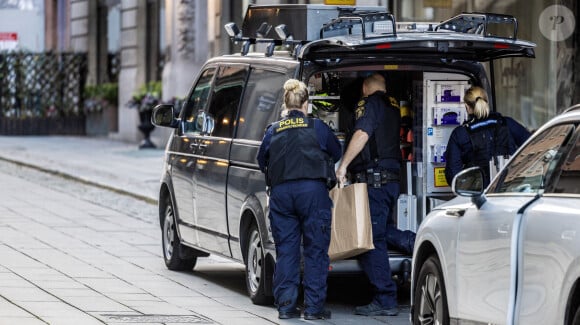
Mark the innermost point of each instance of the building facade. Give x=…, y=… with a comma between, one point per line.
x=169, y=40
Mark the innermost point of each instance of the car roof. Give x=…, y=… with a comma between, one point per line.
x=569, y=115
x=280, y=60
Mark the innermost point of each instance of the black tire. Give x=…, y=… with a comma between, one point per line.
x=171, y=244
x=576, y=320
x=430, y=299
x=256, y=276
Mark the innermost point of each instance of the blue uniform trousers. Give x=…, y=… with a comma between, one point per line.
x=300, y=211
x=375, y=263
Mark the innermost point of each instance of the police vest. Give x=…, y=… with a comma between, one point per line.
x=385, y=143
x=295, y=153
x=489, y=138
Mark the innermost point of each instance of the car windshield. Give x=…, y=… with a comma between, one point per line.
x=529, y=170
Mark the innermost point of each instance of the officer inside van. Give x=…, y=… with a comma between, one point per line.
x=373, y=156
x=298, y=155
x=484, y=140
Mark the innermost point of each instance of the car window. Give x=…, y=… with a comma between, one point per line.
x=196, y=103
x=261, y=103
x=568, y=180
x=530, y=169
x=227, y=91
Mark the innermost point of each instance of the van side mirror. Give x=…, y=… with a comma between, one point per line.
x=163, y=115
x=469, y=183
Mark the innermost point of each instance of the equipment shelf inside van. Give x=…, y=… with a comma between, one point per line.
x=213, y=198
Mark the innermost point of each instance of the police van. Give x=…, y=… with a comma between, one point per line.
x=213, y=199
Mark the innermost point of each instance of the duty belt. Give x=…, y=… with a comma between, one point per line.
x=375, y=177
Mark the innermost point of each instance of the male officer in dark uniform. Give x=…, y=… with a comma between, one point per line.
x=373, y=156
x=298, y=155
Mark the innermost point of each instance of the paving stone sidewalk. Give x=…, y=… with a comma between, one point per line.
x=66, y=261
x=109, y=163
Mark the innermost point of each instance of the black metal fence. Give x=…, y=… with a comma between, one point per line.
x=41, y=93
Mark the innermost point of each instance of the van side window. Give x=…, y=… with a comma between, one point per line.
x=227, y=91
x=261, y=104
x=197, y=102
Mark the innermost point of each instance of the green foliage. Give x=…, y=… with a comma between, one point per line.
x=108, y=91
x=152, y=88
x=98, y=97
x=147, y=96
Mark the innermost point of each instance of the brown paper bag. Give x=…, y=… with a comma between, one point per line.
x=351, y=222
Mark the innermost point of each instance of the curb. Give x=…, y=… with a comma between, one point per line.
x=83, y=181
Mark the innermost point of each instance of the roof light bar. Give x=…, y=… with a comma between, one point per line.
x=263, y=30
x=233, y=30
x=283, y=32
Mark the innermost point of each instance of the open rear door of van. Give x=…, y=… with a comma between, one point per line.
x=467, y=37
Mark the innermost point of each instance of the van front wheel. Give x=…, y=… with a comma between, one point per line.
x=172, y=248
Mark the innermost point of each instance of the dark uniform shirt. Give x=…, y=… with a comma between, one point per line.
x=379, y=117
x=460, y=153
x=327, y=140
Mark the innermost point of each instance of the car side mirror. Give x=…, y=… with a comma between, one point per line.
x=469, y=183
x=163, y=115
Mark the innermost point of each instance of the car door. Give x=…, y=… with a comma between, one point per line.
x=550, y=237
x=183, y=155
x=487, y=240
x=213, y=151
x=483, y=259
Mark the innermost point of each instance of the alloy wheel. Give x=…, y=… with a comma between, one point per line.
x=430, y=305
x=168, y=234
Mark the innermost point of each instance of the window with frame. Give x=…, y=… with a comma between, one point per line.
x=262, y=103
x=529, y=171
x=197, y=103
x=225, y=100
x=568, y=179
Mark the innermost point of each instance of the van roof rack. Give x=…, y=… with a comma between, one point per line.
x=479, y=24
x=306, y=19
x=352, y=19
x=331, y=21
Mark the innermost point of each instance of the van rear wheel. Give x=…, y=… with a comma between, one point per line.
x=256, y=268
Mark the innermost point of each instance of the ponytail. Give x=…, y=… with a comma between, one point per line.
x=476, y=98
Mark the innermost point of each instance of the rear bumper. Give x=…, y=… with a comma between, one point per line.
x=398, y=262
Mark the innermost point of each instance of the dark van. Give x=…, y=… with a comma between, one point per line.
x=213, y=199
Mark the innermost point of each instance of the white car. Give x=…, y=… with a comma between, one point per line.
x=508, y=254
